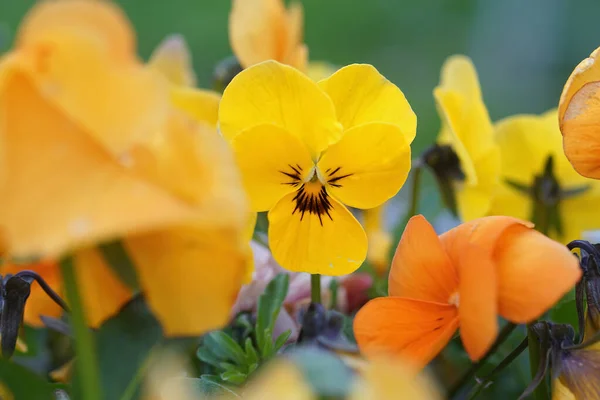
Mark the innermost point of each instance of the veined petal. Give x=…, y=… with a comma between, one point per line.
x=273, y=93
x=103, y=294
x=413, y=329
x=561, y=392
x=257, y=30
x=587, y=71
x=477, y=301
x=201, y=105
x=81, y=55
x=73, y=192
x=362, y=95
x=273, y=163
x=173, y=60
x=39, y=303
x=534, y=272
x=367, y=166
x=176, y=270
x=421, y=268
x=310, y=231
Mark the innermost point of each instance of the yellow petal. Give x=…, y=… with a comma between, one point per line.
x=201, y=105
x=361, y=95
x=103, y=294
x=280, y=380
x=173, y=60
x=390, y=379
x=367, y=166
x=273, y=163
x=257, y=30
x=81, y=55
x=73, y=192
x=176, y=269
x=560, y=391
x=39, y=303
x=466, y=123
x=273, y=93
x=380, y=241
x=329, y=241
x=248, y=234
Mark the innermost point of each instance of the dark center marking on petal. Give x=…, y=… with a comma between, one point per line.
x=334, y=177
x=295, y=174
x=312, y=198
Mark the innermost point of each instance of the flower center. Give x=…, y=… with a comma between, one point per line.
x=311, y=195
x=454, y=299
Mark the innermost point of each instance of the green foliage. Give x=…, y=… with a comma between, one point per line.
x=234, y=360
x=24, y=384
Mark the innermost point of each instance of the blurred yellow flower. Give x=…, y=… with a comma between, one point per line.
x=579, y=117
x=538, y=183
x=380, y=240
x=107, y=156
x=468, y=133
x=306, y=149
x=261, y=30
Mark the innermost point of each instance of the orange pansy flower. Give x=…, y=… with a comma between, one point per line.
x=108, y=156
x=464, y=278
x=261, y=30
x=579, y=117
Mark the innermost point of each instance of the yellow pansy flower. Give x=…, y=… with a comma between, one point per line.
x=467, y=133
x=560, y=201
x=108, y=157
x=380, y=240
x=306, y=149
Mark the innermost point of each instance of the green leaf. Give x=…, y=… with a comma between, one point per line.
x=267, y=350
x=235, y=377
x=565, y=311
x=281, y=339
x=207, y=356
x=121, y=264
x=124, y=343
x=251, y=354
x=269, y=304
x=24, y=384
x=226, y=345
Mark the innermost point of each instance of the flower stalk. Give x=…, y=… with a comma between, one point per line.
x=315, y=288
x=86, y=363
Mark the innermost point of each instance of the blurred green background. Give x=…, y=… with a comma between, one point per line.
x=524, y=50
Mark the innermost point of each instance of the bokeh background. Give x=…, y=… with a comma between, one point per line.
x=524, y=50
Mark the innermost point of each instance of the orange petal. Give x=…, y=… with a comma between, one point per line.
x=81, y=55
x=477, y=301
x=421, y=268
x=190, y=275
x=73, y=192
x=413, y=329
x=102, y=292
x=257, y=31
x=295, y=52
x=534, y=272
x=38, y=302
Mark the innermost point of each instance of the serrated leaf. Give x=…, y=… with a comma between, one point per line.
x=269, y=304
x=251, y=354
x=235, y=377
x=227, y=346
x=281, y=340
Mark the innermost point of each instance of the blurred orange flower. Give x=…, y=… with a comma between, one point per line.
x=579, y=117
x=261, y=30
x=108, y=156
x=466, y=277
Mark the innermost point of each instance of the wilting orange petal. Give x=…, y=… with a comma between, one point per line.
x=38, y=302
x=421, y=268
x=190, y=275
x=413, y=329
x=477, y=301
x=102, y=292
x=73, y=192
x=81, y=56
x=534, y=272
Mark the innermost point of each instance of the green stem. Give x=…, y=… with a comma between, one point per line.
x=541, y=392
x=415, y=189
x=86, y=362
x=502, y=336
x=505, y=363
x=315, y=288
